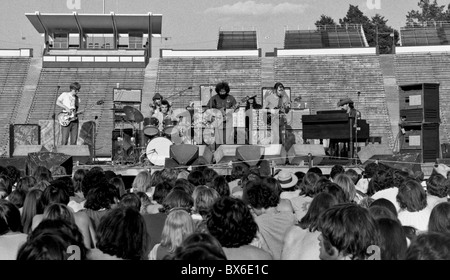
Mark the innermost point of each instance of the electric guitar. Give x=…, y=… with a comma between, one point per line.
x=65, y=118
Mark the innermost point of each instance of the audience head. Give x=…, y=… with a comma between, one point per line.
x=9, y=218
x=260, y=196
x=92, y=179
x=199, y=246
x=14, y=173
x=336, y=191
x=308, y=184
x=122, y=233
x=17, y=197
x=177, y=227
x=26, y=183
x=161, y=191
x=347, y=231
x=440, y=218
x=204, y=197
x=220, y=184
x=437, y=185
x=58, y=211
x=346, y=183
x=56, y=192
x=33, y=205
x=393, y=242
x=370, y=170
x=239, y=171
x=141, y=182
x=319, y=204
x=52, y=240
x=169, y=175
x=119, y=184
x=196, y=178
x=185, y=184
x=429, y=246
x=131, y=200
x=316, y=170
x=156, y=177
x=177, y=199
x=411, y=196
x=209, y=174
x=231, y=222
x=42, y=173
x=383, y=202
x=104, y=196
x=353, y=175
x=336, y=170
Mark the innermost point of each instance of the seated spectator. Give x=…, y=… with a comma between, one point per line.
x=131, y=200
x=369, y=171
x=440, y=218
x=301, y=241
x=301, y=203
x=437, y=188
x=272, y=223
x=11, y=236
x=32, y=206
x=196, y=178
x=198, y=246
x=354, y=176
x=119, y=184
x=284, y=205
x=413, y=205
x=336, y=170
x=346, y=183
x=161, y=191
x=429, y=246
x=347, y=231
x=142, y=182
x=17, y=197
x=385, y=183
x=288, y=182
x=177, y=227
x=393, y=241
x=232, y=224
x=51, y=240
x=121, y=234
x=204, y=197
x=220, y=184
x=26, y=183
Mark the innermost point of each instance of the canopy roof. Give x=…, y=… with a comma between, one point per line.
x=96, y=23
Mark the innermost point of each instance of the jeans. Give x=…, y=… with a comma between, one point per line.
x=70, y=130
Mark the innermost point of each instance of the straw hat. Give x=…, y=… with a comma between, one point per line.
x=286, y=179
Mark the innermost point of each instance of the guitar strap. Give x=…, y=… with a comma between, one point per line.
x=77, y=103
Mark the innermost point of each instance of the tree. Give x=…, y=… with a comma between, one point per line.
x=325, y=20
x=376, y=29
x=428, y=12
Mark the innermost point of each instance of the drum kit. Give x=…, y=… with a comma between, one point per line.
x=161, y=137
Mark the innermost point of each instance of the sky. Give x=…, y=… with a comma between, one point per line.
x=195, y=24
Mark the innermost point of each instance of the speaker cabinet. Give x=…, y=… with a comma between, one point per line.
x=24, y=150
x=24, y=135
x=420, y=102
x=122, y=145
x=422, y=138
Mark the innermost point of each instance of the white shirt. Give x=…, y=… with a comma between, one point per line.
x=67, y=99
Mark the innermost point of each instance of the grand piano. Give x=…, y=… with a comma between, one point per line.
x=335, y=125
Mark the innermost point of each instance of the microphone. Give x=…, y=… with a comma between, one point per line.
x=96, y=117
x=58, y=86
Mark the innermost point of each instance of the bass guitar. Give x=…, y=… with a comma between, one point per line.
x=65, y=118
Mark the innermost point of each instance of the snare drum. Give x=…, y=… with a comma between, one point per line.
x=158, y=149
x=151, y=130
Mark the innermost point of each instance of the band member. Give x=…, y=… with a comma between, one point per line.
x=157, y=98
x=69, y=102
x=224, y=102
x=342, y=149
x=278, y=102
x=250, y=118
x=165, y=116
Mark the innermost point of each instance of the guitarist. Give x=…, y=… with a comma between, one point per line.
x=225, y=103
x=69, y=102
x=278, y=102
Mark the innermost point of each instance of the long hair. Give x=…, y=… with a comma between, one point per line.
x=177, y=227
x=308, y=183
x=59, y=211
x=319, y=204
x=32, y=206
x=78, y=179
x=393, y=243
x=26, y=183
x=440, y=218
x=220, y=184
x=119, y=184
x=437, y=185
x=346, y=183
x=142, y=182
x=9, y=217
x=177, y=199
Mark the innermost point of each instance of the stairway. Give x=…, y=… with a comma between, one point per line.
x=387, y=64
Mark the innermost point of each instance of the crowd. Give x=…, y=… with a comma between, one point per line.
x=176, y=214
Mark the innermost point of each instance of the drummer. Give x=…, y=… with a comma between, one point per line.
x=157, y=98
x=165, y=116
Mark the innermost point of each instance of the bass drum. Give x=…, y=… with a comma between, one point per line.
x=158, y=149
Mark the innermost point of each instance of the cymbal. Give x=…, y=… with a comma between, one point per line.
x=132, y=114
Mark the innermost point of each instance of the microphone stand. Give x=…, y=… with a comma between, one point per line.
x=94, y=132
x=54, y=120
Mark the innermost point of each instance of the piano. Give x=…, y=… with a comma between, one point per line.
x=333, y=124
